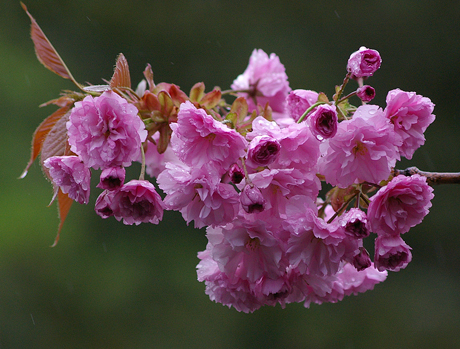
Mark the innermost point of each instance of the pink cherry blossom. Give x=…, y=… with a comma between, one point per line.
x=391, y=253
x=252, y=199
x=105, y=131
x=154, y=161
x=71, y=175
x=364, y=149
x=364, y=62
x=243, y=266
x=298, y=147
x=400, y=205
x=137, y=202
x=246, y=250
x=362, y=260
x=346, y=282
x=410, y=114
x=321, y=289
x=323, y=121
x=366, y=93
x=235, y=174
x=266, y=80
x=262, y=151
x=198, y=194
x=112, y=178
x=198, y=139
x=103, y=206
x=224, y=289
x=354, y=281
x=354, y=222
x=318, y=248
x=279, y=186
x=298, y=101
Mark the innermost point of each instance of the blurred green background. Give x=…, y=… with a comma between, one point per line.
x=107, y=285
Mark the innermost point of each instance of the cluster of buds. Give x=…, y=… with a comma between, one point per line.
x=251, y=172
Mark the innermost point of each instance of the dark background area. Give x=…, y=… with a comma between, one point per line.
x=107, y=285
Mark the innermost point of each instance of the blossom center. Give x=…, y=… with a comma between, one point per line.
x=252, y=244
x=210, y=137
x=359, y=149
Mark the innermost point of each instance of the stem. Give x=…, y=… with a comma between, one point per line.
x=342, y=208
x=431, y=177
x=346, y=97
x=227, y=92
x=308, y=111
x=344, y=117
x=245, y=170
x=345, y=82
x=142, y=175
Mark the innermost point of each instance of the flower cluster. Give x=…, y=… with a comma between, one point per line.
x=106, y=133
x=251, y=171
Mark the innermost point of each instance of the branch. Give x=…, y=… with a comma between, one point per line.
x=431, y=177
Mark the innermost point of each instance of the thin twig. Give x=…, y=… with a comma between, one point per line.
x=431, y=177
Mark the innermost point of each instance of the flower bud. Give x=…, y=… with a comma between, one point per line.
x=362, y=260
x=112, y=178
x=323, y=121
x=391, y=253
x=355, y=223
x=137, y=202
x=263, y=150
x=236, y=174
x=364, y=62
x=251, y=199
x=366, y=93
x=103, y=204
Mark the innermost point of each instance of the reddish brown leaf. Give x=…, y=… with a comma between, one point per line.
x=46, y=53
x=338, y=196
x=167, y=104
x=41, y=133
x=240, y=108
x=197, y=92
x=151, y=101
x=121, y=76
x=55, y=143
x=177, y=95
x=211, y=99
x=148, y=73
x=64, y=204
x=63, y=101
x=165, y=136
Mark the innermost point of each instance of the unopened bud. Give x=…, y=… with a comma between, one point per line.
x=252, y=199
x=103, y=204
x=354, y=223
x=112, y=178
x=362, y=260
x=323, y=121
x=236, y=174
x=263, y=150
x=366, y=93
x=364, y=62
x=391, y=253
